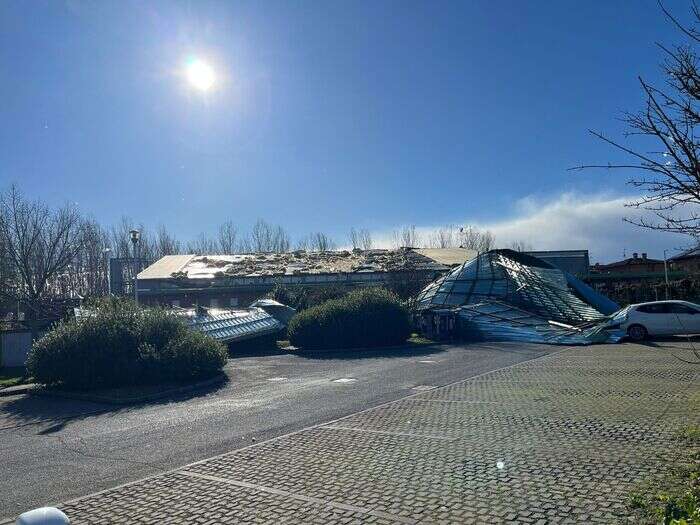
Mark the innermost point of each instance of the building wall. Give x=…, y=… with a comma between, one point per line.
x=242, y=292
x=576, y=262
x=690, y=265
x=640, y=267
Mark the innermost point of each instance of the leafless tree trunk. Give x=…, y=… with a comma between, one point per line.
x=521, y=246
x=203, y=245
x=165, y=243
x=669, y=177
x=316, y=242
x=267, y=238
x=406, y=237
x=445, y=237
x=360, y=239
x=474, y=239
x=228, y=238
x=40, y=244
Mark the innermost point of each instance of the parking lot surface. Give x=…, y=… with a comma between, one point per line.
x=561, y=438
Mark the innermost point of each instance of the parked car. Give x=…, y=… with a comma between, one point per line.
x=640, y=321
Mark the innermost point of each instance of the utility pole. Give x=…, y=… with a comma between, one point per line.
x=135, y=238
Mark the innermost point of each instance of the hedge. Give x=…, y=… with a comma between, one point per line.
x=363, y=318
x=120, y=344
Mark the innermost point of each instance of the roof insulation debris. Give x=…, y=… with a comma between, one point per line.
x=508, y=295
x=302, y=262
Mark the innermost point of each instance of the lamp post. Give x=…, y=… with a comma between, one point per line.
x=135, y=238
x=666, y=273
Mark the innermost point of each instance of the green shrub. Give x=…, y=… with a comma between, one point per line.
x=363, y=318
x=121, y=344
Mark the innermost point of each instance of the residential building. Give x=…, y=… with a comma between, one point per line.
x=634, y=265
x=688, y=261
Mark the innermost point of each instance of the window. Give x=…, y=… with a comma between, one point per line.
x=175, y=303
x=233, y=301
x=654, y=309
x=213, y=302
x=681, y=309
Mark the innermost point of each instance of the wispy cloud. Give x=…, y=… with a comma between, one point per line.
x=567, y=222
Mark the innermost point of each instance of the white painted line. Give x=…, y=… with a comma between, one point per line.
x=302, y=497
x=389, y=433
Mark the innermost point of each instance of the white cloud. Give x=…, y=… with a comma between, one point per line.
x=568, y=222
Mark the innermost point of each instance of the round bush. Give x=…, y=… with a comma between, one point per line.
x=120, y=344
x=363, y=318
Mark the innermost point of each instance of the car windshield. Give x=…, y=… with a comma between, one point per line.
x=620, y=314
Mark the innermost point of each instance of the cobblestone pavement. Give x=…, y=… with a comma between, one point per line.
x=558, y=439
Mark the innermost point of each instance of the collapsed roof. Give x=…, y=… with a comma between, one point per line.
x=302, y=262
x=508, y=295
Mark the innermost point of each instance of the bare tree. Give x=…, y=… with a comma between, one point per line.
x=40, y=244
x=475, y=239
x=165, y=243
x=360, y=239
x=203, y=245
x=120, y=240
x=267, y=238
x=406, y=237
x=228, y=238
x=316, y=242
x=521, y=246
x=669, y=177
x=445, y=237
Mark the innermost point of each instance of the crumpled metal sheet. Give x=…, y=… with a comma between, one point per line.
x=227, y=325
x=497, y=321
x=508, y=295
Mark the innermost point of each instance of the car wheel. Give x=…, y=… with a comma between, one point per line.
x=637, y=332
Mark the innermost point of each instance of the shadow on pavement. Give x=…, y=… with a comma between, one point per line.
x=58, y=410
x=369, y=353
x=679, y=342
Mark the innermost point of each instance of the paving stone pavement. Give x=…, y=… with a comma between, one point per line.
x=560, y=439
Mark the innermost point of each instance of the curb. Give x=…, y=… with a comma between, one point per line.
x=218, y=379
x=17, y=390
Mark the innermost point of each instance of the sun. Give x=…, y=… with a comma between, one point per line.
x=200, y=75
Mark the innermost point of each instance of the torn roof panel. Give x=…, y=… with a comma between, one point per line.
x=498, y=321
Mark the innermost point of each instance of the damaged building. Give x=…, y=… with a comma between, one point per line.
x=503, y=295
x=237, y=280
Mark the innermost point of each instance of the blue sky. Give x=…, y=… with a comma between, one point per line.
x=327, y=115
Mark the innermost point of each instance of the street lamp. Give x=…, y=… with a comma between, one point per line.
x=135, y=238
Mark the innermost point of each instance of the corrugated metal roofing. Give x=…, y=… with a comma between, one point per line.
x=232, y=325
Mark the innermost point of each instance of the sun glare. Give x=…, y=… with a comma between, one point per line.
x=200, y=75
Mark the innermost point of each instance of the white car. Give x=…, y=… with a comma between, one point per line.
x=658, y=318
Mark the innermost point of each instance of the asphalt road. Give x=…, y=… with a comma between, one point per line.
x=53, y=450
